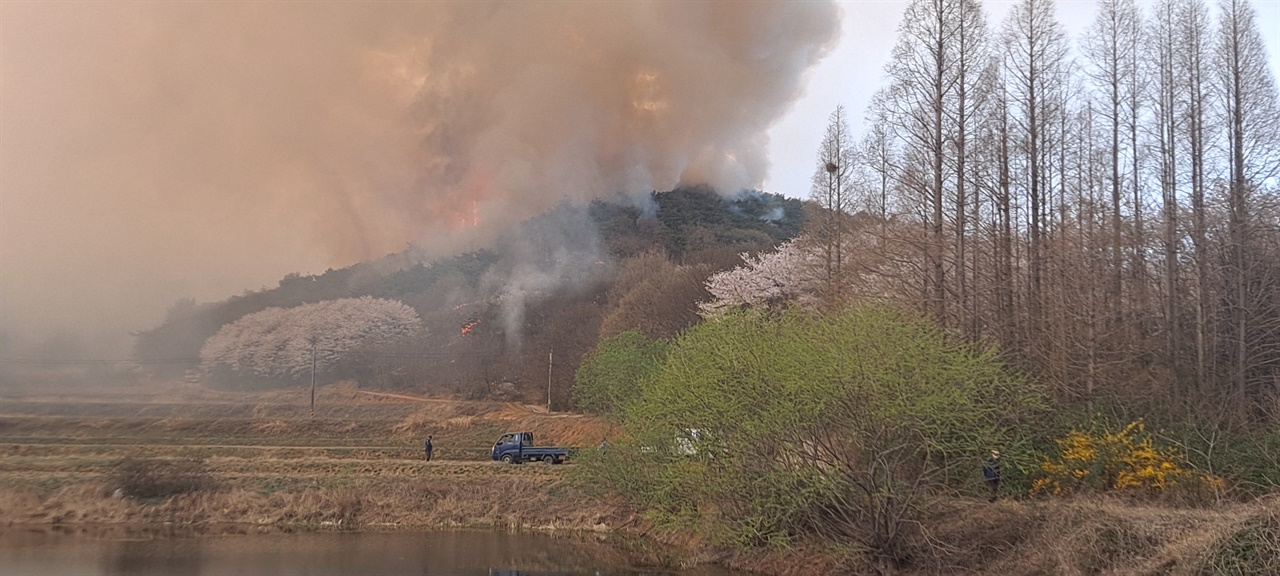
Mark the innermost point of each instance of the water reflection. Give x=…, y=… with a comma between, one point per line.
x=454, y=553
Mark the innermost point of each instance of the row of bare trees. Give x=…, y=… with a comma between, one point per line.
x=1109, y=211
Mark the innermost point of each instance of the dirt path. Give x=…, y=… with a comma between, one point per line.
x=198, y=445
x=413, y=398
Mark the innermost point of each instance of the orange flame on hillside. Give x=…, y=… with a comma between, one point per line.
x=474, y=189
x=466, y=328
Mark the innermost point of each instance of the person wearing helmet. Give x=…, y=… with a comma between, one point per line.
x=991, y=473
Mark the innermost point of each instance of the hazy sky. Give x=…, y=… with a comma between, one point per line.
x=153, y=151
x=855, y=70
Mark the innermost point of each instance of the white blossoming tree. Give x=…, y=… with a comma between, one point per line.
x=276, y=343
x=797, y=272
x=766, y=279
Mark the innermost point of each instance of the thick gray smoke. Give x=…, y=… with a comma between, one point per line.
x=151, y=151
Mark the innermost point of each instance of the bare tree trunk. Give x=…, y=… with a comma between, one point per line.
x=1140, y=237
x=1004, y=276
x=1253, y=127
x=1193, y=45
x=1036, y=61
x=939, y=50
x=1167, y=129
x=961, y=214
x=1090, y=236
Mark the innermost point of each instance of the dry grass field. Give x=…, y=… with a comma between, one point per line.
x=263, y=458
x=262, y=461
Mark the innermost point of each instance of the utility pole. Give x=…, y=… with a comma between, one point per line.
x=549, y=357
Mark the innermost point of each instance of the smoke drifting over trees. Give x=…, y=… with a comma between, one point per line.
x=196, y=149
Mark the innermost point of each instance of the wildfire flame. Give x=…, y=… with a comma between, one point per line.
x=466, y=328
x=464, y=209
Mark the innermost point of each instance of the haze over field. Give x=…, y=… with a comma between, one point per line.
x=154, y=151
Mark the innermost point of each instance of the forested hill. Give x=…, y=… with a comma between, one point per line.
x=492, y=315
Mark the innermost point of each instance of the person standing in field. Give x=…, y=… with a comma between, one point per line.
x=427, y=447
x=991, y=473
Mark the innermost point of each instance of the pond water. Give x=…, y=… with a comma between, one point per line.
x=442, y=553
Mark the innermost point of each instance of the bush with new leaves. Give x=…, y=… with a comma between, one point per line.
x=609, y=378
x=276, y=344
x=761, y=427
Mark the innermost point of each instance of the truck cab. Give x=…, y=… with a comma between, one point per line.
x=513, y=441
x=517, y=448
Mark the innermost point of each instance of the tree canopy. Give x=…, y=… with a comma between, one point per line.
x=610, y=376
x=282, y=343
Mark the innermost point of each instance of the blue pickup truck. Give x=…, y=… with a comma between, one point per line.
x=517, y=448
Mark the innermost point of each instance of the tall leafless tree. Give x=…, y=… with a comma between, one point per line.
x=832, y=194
x=1170, y=93
x=923, y=71
x=1021, y=184
x=1192, y=30
x=1252, y=119
x=1109, y=49
x=1035, y=63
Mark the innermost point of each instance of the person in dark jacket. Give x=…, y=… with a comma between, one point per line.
x=991, y=473
x=427, y=446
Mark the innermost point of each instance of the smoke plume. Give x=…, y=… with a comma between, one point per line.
x=152, y=151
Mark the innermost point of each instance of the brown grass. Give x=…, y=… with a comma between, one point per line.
x=474, y=498
x=1078, y=536
x=275, y=465
x=443, y=417
x=356, y=465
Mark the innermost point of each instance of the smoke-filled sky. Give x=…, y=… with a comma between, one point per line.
x=153, y=151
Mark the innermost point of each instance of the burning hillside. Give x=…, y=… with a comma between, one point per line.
x=549, y=285
x=315, y=135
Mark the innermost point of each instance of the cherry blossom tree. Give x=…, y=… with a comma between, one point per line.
x=277, y=343
x=766, y=279
x=796, y=272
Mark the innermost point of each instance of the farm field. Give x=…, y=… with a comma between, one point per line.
x=263, y=458
x=262, y=462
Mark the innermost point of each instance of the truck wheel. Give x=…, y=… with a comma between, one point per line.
x=549, y=459
x=506, y=458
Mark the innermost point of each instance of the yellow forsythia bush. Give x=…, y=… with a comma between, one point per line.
x=1116, y=461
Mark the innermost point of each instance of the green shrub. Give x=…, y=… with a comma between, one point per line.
x=610, y=376
x=838, y=425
